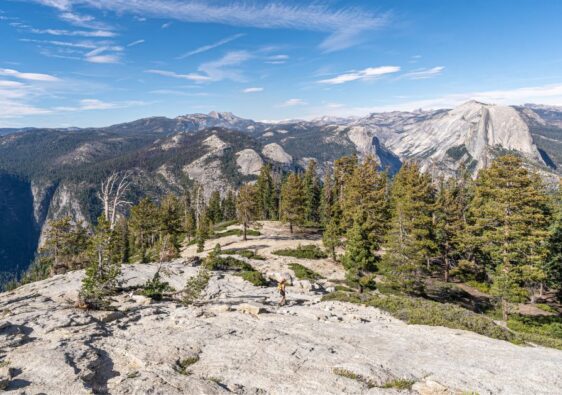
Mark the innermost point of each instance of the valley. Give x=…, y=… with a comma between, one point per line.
x=66, y=166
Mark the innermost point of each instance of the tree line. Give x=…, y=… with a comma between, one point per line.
x=502, y=229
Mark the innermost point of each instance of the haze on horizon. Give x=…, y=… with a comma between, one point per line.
x=94, y=63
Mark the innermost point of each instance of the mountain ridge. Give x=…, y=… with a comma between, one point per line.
x=62, y=168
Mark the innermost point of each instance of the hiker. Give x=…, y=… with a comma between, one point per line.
x=281, y=288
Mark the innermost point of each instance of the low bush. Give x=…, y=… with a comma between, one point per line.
x=182, y=365
x=155, y=288
x=482, y=287
x=399, y=384
x=304, y=273
x=195, y=286
x=425, y=312
x=542, y=330
x=311, y=251
x=218, y=263
x=254, y=277
x=250, y=254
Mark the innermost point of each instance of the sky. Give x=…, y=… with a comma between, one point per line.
x=66, y=63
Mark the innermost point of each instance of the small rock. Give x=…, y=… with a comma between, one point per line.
x=220, y=308
x=248, y=308
x=430, y=387
x=109, y=316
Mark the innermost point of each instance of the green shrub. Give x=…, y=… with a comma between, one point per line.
x=482, y=287
x=255, y=277
x=425, y=312
x=250, y=254
x=155, y=288
x=354, y=376
x=182, y=365
x=311, y=251
x=304, y=273
x=547, y=308
x=543, y=330
x=195, y=286
x=229, y=263
x=400, y=384
x=223, y=225
x=236, y=232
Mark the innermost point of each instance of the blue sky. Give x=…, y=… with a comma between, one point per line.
x=98, y=62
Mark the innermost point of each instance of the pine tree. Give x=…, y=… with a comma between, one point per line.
x=409, y=241
x=265, y=195
x=143, y=226
x=510, y=218
x=343, y=170
x=311, y=191
x=122, y=241
x=291, y=207
x=449, y=224
x=246, y=207
x=170, y=218
x=228, y=207
x=100, y=280
x=364, y=196
x=203, y=232
x=331, y=237
x=214, y=211
x=358, y=259
x=64, y=242
x=328, y=198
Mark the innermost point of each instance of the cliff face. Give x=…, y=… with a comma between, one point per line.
x=18, y=228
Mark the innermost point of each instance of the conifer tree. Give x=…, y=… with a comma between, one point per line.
x=246, y=207
x=510, y=218
x=203, y=232
x=328, y=198
x=189, y=224
x=214, y=211
x=358, y=259
x=228, y=206
x=449, y=222
x=170, y=217
x=364, y=196
x=266, y=207
x=331, y=237
x=292, y=201
x=409, y=241
x=311, y=191
x=122, y=241
x=143, y=226
x=64, y=242
x=103, y=270
x=343, y=170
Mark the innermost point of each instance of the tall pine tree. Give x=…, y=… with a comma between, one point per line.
x=409, y=241
x=291, y=207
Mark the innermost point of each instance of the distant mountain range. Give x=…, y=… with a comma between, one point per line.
x=47, y=173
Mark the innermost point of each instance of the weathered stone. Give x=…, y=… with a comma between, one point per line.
x=249, y=308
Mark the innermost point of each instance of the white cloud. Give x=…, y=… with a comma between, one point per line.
x=216, y=70
x=166, y=25
x=96, y=104
x=208, y=47
x=28, y=76
x=132, y=44
x=424, y=73
x=75, y=33
x=294, y=102
x=345, y=26
x=252, y=90
x=190, y=76
x=277, y=59
x=365, y=74
x=100, y=55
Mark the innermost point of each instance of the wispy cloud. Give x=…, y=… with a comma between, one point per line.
x=293, y=102
x=106, y=54
x=190, y=76
x=217, y=70
x=252, y=90
x=344, y=26
x=277, y=59
x=208, y=47
x=166, y=25
x=28, y=76
x=424, y=73
x=134, y=43
x=365, y=74
x=96, y=104
x=75, y=33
